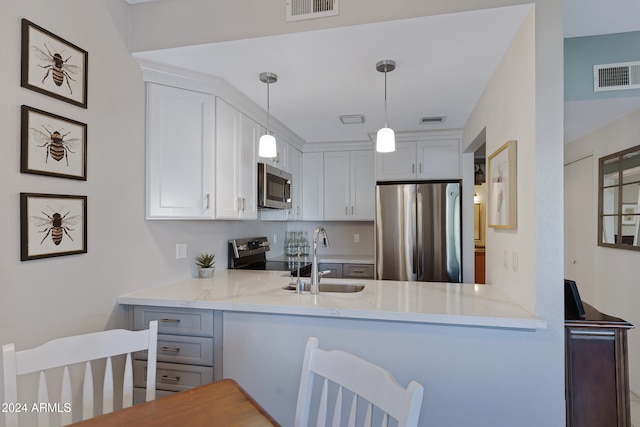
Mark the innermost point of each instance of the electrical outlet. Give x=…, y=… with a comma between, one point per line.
x=356, y=238
x=181, y=250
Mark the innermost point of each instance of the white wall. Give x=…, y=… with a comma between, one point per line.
x=512, y=89
x=49, y=298
x=616, y=271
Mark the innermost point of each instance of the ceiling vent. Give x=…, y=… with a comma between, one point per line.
x=624, y=75
x=431, y=120
x=298, y=10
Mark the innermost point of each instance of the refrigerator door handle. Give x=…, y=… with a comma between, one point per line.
x=418, y=238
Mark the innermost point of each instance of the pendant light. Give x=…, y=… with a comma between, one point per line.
x=386, y=139
x=267, y=145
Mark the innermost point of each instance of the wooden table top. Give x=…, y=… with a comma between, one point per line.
x=222, y=403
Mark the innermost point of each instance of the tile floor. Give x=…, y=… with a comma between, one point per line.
x=635, y=410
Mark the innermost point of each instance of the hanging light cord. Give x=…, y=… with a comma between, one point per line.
x=385, y=100
x=268, y=107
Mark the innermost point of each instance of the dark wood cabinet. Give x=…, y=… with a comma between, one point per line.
x=596, y=370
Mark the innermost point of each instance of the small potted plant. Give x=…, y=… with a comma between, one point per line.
x=205, y=263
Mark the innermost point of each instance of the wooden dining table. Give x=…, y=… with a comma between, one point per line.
x=221, y=403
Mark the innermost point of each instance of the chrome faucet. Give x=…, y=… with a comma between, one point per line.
x=315, y=274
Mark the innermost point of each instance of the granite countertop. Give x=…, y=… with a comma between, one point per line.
x=417, y=302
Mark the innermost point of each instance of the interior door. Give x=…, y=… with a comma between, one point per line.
x=580, y=226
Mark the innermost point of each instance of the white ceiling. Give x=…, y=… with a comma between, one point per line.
x=443, y=64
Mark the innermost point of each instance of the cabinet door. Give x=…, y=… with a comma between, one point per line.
x=399, y=164
x=228, y=202
x=362, y=185
x=439, y=159
x=236, y=169
x=336, y=186
x=248, y=170
x=294, y=160
x=313, y=186
x=180, y=153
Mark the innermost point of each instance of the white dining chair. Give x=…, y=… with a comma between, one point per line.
x=368, y=384
x=80, y=349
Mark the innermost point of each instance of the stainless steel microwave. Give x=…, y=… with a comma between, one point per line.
x=274, y=188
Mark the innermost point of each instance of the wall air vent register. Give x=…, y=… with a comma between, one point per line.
x=298, y=10
x=623, y=75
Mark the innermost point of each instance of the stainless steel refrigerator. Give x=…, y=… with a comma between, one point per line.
x=418, y=232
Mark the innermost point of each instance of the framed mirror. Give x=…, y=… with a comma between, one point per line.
x=619, y=200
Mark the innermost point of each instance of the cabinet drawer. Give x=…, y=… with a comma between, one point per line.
x=173, y=376
x=357, y=271
x=182, y=349
x=174, y=320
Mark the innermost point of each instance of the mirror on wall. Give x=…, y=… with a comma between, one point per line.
x=619, y=200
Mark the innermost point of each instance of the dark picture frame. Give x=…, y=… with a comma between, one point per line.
x=53, y=66
x=52, y=145
x=52, y=225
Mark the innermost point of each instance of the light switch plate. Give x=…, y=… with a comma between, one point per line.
x=181, y=250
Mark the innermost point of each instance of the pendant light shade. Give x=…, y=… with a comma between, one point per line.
x=386, y=138
x=267, y=145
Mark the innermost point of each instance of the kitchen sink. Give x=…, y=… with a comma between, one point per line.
x=329, y=287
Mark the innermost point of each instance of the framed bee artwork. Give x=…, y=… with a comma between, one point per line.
x=52, y=145
x=53, y=66
x=52, y=225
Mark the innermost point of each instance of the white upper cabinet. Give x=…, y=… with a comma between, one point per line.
x=349, y=185
x=313, y=186
x=293, y=158
x=236, y=163
x=420, y=160
x=180, y=153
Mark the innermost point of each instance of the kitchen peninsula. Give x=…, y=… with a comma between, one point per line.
x=436, y=333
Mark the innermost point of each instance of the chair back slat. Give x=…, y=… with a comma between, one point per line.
x=79, y=350
x=368, y=419
x=322, y=411
x=127, y=383
x=337, y=412
x=107, y=388
x=43, y=398
x=65, y=397
x=367, y=381
x=352, y=412
x=87, y=392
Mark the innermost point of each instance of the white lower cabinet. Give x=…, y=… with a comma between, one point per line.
x=186, y=351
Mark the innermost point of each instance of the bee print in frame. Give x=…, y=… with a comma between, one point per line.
x=52, y=225
x=53, y=66
x=52, y=145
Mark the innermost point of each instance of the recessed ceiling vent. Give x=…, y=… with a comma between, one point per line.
x=298, y=10
x=624, y=75
x=431, y=120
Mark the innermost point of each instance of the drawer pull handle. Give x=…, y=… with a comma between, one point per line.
x=168, y=378
x=170, y=320
x=358, y=270
x=170, y=349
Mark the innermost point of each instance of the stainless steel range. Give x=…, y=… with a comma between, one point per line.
x=250, y=254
